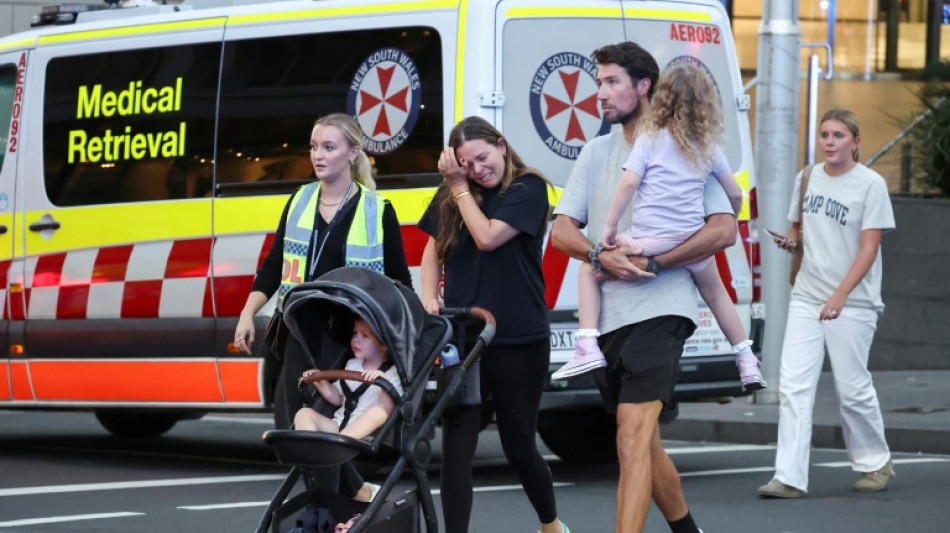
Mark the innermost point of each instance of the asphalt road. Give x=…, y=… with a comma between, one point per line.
x=62, y=472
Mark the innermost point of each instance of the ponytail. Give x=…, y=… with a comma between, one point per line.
x=362, y=171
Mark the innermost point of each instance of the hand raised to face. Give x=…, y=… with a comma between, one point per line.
x=454, y=172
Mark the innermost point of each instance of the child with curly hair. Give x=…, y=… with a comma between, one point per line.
x=676, y=149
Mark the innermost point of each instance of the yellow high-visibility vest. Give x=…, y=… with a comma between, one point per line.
x=364, y=241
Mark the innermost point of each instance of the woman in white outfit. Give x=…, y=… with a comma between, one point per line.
x=835, y=304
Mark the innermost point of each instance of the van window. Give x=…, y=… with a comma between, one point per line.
x=130, y=126
x=274, y=88
x=7, y=84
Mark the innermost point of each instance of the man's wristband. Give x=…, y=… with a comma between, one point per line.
x=652, y=266
x=592, y=257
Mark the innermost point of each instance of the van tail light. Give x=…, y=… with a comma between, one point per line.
x=749, y=234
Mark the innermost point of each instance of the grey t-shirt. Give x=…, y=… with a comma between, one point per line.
x=587, y=197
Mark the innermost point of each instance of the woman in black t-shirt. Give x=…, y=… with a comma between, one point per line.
x=486, y=226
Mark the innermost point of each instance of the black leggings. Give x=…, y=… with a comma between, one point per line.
x=513, y=376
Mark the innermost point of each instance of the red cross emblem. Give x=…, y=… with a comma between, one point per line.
x=397, y=99
x=556, y=106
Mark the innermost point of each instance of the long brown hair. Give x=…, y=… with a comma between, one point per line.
x=450, y=219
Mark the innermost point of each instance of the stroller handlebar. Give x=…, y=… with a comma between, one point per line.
x=352, y=375
x=488, y=332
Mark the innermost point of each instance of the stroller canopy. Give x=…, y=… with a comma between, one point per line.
x=392, y=310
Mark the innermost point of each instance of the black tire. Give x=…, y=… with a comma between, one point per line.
x=137, y=425
x=580, y=436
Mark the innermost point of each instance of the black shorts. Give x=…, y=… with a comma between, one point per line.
x=643, y=360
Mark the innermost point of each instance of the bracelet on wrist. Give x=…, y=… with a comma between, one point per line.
x=592, y=257
x=459, y=195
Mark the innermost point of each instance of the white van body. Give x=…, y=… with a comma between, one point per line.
x=149, y=153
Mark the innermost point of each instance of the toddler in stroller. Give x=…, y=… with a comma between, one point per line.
x=361, y=409
x=413, y=340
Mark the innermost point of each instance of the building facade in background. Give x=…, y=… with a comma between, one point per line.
x=858, y=32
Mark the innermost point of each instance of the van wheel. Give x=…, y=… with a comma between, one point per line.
x=580, y=436
x=137, y=425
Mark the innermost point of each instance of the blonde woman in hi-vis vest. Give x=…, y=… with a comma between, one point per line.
x=337, y=220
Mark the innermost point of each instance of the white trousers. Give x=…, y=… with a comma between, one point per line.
x=848, y=339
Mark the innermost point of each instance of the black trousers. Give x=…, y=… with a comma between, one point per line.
x=512, y=378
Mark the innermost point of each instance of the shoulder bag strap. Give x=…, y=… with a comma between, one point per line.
x=802, y=188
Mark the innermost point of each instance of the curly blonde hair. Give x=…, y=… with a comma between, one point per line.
x=686, y=104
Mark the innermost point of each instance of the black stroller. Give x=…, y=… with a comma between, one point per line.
x=415, y=340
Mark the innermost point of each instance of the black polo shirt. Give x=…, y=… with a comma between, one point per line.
x=506, y=281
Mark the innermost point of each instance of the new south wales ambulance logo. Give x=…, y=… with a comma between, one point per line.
x=384, y=96
x=564, y=105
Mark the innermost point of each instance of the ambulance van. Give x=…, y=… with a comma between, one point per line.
x=147, y=153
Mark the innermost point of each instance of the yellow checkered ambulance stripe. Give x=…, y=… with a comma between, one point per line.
x=607, y=12
x=665, y=14
x=341, y=11
x=109, y=225
x=143, y=29
x=563, y=12
x=20, y=43
x=231, y=215
x=742, y=176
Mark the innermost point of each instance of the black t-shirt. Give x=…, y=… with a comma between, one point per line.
x=506, y=281
x=394, y=258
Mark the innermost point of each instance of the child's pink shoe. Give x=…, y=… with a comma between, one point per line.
x=749, y=373
x=587, y=357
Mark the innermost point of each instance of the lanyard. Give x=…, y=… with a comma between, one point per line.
x=315, y=256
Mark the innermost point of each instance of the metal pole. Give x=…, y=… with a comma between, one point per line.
x=906, y=169
x=890, y=48
x=813, y=72
x=832, y=21
x=776, y=140
x=934, y=20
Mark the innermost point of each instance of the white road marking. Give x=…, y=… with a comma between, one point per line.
x=841, y=464
x=908, y=461
x=57, y=519
x=435, y=492
x=499, y=488
x=135, y=453
x=718, y=449
x=729, y=471
x=211, y=507
x=261, y=421
x=90, y=487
